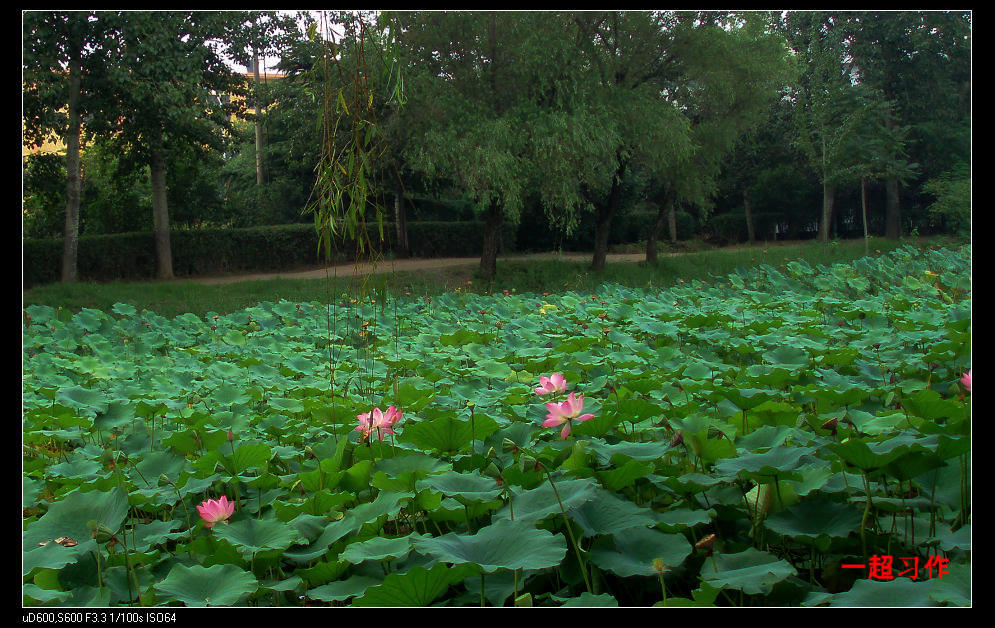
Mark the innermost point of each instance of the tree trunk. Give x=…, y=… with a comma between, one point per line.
x=664, y=210
x=654, y=234
x=863, y=208
x=892, y=211
x=603, y=224
x=493, y=218
x=403, y=249
x=603, y=220
x=751, y=235
x=160, y=216
x=828, y=199
x=70, y=234
x=259, y=127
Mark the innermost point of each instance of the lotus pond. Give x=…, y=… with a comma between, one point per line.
x=791, y=436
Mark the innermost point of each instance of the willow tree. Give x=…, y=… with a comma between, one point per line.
x=503, y=114
x=358, y=70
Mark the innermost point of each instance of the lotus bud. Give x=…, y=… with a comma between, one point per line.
x=706, y=544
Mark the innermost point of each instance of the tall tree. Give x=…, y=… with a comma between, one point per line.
x=65, y=54
x=630, y=55
x=167, y=79
x=499, y=94
x=920, y=63
x=826, y=104
x=732, y=68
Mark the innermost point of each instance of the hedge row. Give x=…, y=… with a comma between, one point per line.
x=131, y=256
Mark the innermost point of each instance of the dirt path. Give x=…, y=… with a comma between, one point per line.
x=351, y=269
x=463, y=265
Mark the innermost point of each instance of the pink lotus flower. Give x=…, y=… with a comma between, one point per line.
x=553, y=384
x=966, y=380
x=564, y=412
x=214, y=510
x=378, y=420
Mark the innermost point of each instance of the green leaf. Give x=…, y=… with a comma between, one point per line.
x=634, y=550
x=815, y=518
x=540, y=502
x=418, y=587
x=504, y=544
x=69, y=517
x=251, y=536
x=751, y=571
x=607, y=513
x=219, y=585
x=342, y=589
x=464, y=487
x=588, y=599
x=379, y=548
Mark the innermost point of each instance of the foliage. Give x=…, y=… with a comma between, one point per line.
x=206, y=250
x=751, y=434
x=44, y=202
x=952, y=204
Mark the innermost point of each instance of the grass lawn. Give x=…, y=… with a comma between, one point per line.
x=172, y=298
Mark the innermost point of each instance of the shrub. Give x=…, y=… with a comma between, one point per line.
x=952, y=207
x=253, y=249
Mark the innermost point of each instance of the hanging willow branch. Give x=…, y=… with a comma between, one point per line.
x=352, y=140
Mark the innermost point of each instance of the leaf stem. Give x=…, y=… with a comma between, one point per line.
x=573, y=540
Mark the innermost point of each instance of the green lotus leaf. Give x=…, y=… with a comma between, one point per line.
x=464, y=487
x=379, y=548
x=751, y=571
x=218, y=585
x=415, y=462
x=606, y=513
x=251, y=536
x=417, y=587
x=954, y=588
x=504, y=544
x=342, y=589
x=86, y=401
x=815, y=518
x=32, y=592
x=542, y=501
x=874, y=593
x=250, y=455
x=589, y=599
x=447, y=434
x=633, y=551
x=69, y=517
x=636, y=451
x=776, y=460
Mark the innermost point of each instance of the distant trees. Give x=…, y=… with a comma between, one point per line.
x=893, y=86
x=568, y=118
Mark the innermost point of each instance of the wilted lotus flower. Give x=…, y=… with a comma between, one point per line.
x=553, y=384
x=378, y=420
x=966, y=380
x=215, y=510
x=564, y=412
